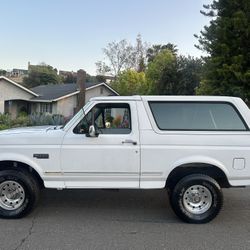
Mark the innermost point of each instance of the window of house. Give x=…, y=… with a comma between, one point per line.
x=45, y=107
x=218, y=116
x=107, y=118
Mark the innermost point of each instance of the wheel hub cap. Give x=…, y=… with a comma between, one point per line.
x=197, y=199
x=12, y=195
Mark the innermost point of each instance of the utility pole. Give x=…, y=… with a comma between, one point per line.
x=81, y=82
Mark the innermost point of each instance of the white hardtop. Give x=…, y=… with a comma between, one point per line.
x=167, y=98
x=117, y=98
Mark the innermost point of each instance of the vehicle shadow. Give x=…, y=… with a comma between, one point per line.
x=129, y=205
x=115, y=205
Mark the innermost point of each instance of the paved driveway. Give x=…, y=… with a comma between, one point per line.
x=126, y=219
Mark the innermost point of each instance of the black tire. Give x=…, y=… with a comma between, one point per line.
x=27, y=185
x=189, y=205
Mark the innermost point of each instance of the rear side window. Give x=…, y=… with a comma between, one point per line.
x=217, y=116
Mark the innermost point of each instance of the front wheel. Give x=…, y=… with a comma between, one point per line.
x=196, y=198
x=19, y=193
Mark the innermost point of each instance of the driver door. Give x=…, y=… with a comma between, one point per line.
x=109, y=160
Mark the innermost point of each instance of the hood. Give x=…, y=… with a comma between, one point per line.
x=35, y=129
x=39, y=135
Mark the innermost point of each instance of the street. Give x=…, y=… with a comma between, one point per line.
x=125, y=219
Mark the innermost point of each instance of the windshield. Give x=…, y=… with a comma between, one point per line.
x=77, y=115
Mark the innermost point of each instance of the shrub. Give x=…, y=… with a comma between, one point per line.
x=5, y=121
x=20, y=121
x=35, y=119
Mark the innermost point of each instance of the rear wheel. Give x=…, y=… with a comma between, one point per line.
x=196, y=198
x=19, y=193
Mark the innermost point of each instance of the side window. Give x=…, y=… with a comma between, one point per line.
x=206, y=116
x=108, y=118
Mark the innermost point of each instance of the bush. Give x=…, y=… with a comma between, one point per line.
x=5, y=121
x=35, y=119
x=20, y=121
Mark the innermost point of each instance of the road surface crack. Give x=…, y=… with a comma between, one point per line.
x=30, y=231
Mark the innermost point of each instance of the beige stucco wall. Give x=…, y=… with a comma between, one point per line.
x=66, y=106
x=9, y=91
x=98, y=91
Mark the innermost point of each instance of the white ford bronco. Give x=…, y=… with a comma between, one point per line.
x=191, y=145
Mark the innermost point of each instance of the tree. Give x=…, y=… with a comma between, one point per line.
x=157, y=48
x=101, y=78
x=3, y=72
x=139, y=58
x=41, y=75
x=102, y=68
x=189, y=71
x=90, y=78
x=169, y=74
x=162, y=74
x=226, y=41
x=121, y=56
x=70, y=78
x=130, y=82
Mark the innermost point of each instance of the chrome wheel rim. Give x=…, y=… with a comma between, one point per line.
x=197, y=199
x=12, y=195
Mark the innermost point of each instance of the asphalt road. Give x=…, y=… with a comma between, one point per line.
x=125, y=219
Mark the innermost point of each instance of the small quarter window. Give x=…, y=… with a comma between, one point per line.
x=215, y=116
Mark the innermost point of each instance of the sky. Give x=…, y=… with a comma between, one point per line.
x=70, y=34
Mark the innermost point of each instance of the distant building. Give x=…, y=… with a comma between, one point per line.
x=104, y=78
x=66, y=74
x=17, y=75
x=109, y=79
x=19, y=72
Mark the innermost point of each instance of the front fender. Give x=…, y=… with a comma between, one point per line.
x=23, y=159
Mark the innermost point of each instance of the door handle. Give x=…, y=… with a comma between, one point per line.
x=129, y=141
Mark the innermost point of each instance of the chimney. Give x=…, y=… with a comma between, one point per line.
x=81, y=80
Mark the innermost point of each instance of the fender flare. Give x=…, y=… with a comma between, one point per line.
x=22, y=159
x=196, y=160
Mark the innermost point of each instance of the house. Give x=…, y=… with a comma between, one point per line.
x=16, y=75
x=19, y=72
x=55, y=99
x=66, y=74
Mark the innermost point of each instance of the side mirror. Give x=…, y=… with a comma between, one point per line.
x=92, y=131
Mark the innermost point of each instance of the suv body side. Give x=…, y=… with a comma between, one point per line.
x=77, y=161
